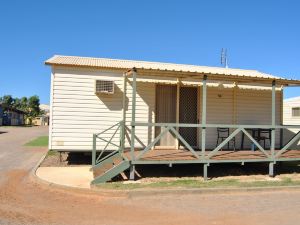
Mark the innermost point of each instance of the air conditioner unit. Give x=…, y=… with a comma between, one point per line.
x=104, y=87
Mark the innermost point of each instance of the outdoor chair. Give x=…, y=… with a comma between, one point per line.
x=223, y=133
x=263, y=135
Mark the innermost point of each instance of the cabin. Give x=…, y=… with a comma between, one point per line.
x=291, y=111
x=128, y=113
x=43, y=119
x=13, y=117
x=291, y=116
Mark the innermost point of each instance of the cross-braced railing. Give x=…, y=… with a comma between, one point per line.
x=117, y=145
x=207, y=155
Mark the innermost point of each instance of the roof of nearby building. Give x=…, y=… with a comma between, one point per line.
x=16, y=110
x=292, y=99
x=45, y=107
x=76, y=61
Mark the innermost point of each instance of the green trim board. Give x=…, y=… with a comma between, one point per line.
x=215, y=125
x=201, y=161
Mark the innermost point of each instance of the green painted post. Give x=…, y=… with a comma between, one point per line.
x=124, y=112
x=203, y=136
x=132, y=168
x=205, y=171
x=132, y=172
x=273, y=118
x=94, y=150
x=271, y=169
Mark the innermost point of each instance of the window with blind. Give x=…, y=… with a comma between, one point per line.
x=296, y=111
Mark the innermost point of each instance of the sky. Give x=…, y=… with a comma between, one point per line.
x=260, y=35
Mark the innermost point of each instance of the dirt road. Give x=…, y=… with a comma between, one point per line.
x=23, y=201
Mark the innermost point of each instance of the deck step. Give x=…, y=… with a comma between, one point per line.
x=107, y=164
x=109, y=160
x=111, y=173
x=110, y=167
x=98, y=171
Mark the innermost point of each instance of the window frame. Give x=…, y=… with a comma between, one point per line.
x=295, y=111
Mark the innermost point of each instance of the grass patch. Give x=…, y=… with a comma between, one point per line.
x=38, y=142
x=191, y=183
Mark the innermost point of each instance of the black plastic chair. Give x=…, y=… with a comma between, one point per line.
x=223, y=133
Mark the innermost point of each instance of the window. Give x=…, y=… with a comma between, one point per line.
x=296, y=111
x=104, y=87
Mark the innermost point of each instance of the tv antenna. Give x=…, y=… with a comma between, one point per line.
x=224, y=59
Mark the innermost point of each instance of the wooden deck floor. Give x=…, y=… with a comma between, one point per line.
x=182, y=154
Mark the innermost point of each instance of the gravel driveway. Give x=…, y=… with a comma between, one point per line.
x=13, y=155
x=23, y=201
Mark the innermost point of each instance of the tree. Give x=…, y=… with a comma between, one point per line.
x=33, y=107
x=24, y=104
x=16, y=103
x=7, y=102
x=30, y=106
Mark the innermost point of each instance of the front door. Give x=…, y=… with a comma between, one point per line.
x=188, y=114
x=165, y=112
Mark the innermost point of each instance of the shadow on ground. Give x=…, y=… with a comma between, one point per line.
x=180, y=170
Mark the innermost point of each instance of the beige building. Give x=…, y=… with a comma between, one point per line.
x=291, y=116
x=291, y=111
x=42, y=120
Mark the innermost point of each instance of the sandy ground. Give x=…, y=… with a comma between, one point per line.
x=79, y=176
x=23, y=201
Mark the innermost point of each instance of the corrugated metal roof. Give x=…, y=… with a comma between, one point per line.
x=292, y=99
x=76, y=61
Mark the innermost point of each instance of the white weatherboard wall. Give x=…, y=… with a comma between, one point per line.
x=288, y=119
x=288, y=104
x=255, y=107
x=252, y=107
x=77, y=112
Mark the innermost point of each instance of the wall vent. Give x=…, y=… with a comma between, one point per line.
x=104, y=87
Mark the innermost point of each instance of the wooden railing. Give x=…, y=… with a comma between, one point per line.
x=203, y=155
x=96, y=159
x=171, y=127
